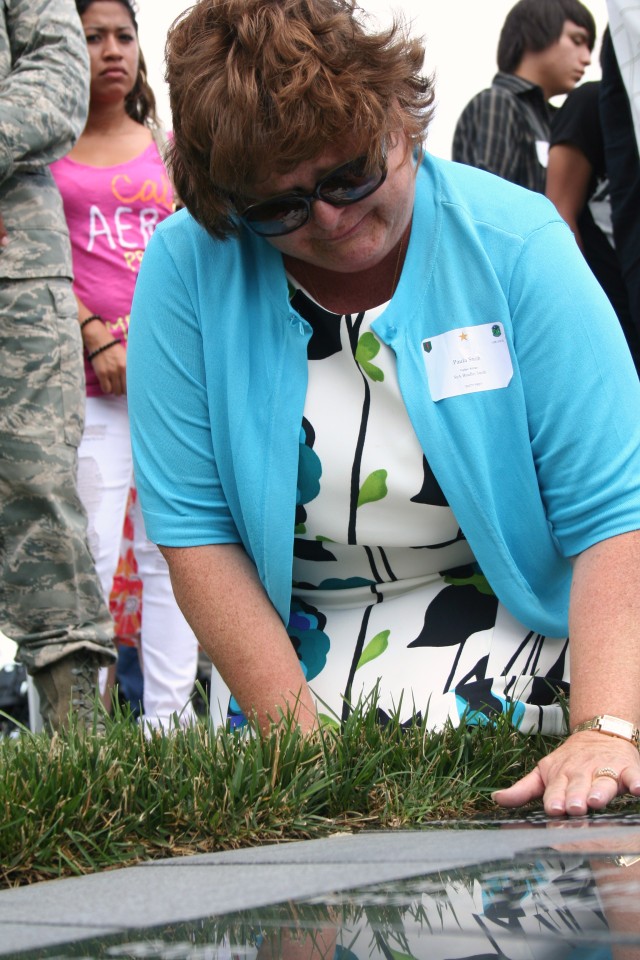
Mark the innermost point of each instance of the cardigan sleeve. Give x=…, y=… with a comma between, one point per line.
x=176, y=474
x=581, y=391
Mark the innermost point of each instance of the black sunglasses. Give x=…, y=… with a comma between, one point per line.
x=290, y=211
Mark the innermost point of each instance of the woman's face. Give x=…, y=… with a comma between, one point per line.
x=113, y=50
x=356, y=237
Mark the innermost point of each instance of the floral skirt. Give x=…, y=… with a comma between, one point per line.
x=431, y=649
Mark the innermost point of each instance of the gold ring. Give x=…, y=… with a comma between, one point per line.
x=606, y=772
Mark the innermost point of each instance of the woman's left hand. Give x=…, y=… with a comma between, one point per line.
x=567, y=779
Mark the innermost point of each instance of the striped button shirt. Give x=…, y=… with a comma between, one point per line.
x=505, y=130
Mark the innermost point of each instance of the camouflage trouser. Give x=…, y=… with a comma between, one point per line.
x=51, y=601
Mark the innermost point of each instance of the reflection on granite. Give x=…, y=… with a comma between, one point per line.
x=551, y=904
x=504, y=820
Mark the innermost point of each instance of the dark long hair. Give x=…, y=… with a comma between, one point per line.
x=140, y=103
x=533, y=25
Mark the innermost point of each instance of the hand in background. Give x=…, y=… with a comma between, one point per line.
x=110, y=365
x=111, y=369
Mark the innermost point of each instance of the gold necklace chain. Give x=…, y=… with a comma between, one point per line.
x=403, y=238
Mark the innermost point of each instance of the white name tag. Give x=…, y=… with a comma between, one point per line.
x=467, y=360
x=542, y=150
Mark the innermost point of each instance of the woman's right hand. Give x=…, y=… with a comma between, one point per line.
x=219, y=592
x=110, y=368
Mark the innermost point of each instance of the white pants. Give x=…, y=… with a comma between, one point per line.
x=169, y=648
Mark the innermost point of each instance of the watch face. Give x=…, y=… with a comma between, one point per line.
x=618, y=728
x=626, y=860
x=613, y=726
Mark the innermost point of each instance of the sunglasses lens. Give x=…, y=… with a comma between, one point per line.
x=276, y=217
x=351, y=183
x=347, y=184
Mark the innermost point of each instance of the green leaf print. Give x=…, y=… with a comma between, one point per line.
x=374, y=488
x=400, y=956
x=327, y=721
x=478, y=580
x=375, y=648
x=368, y=347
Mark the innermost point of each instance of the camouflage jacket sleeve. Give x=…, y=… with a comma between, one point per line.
x=44, y=83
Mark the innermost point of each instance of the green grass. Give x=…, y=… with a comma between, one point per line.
x=74, y=805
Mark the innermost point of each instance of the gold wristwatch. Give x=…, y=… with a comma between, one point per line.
x=624, y=860
x=613, y=727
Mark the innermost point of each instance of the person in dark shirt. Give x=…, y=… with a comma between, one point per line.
x=623, y=166
x=543, y=50
x=578, y=185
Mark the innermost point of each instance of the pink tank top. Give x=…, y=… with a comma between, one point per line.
x=111, y=213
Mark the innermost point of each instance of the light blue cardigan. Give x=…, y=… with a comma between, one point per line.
x=535, y=472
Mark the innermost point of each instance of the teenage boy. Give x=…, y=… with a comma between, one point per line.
x=543, y=50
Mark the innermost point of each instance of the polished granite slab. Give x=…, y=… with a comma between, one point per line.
x=529, y=888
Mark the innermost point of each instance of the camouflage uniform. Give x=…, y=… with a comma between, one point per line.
x=51, y=602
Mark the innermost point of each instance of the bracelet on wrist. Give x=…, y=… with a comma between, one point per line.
x=105, y=346
x=611, y=727
x=94, y=316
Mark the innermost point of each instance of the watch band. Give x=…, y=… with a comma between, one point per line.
x=613, y=727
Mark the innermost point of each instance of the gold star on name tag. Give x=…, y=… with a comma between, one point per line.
x=463, y=336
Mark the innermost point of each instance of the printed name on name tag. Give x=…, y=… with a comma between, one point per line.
x=467, y=360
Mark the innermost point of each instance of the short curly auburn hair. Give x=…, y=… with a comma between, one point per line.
x=259, y=86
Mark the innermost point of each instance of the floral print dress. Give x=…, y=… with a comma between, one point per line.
x=388, y=603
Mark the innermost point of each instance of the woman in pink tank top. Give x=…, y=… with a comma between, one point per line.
x=115, y=190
